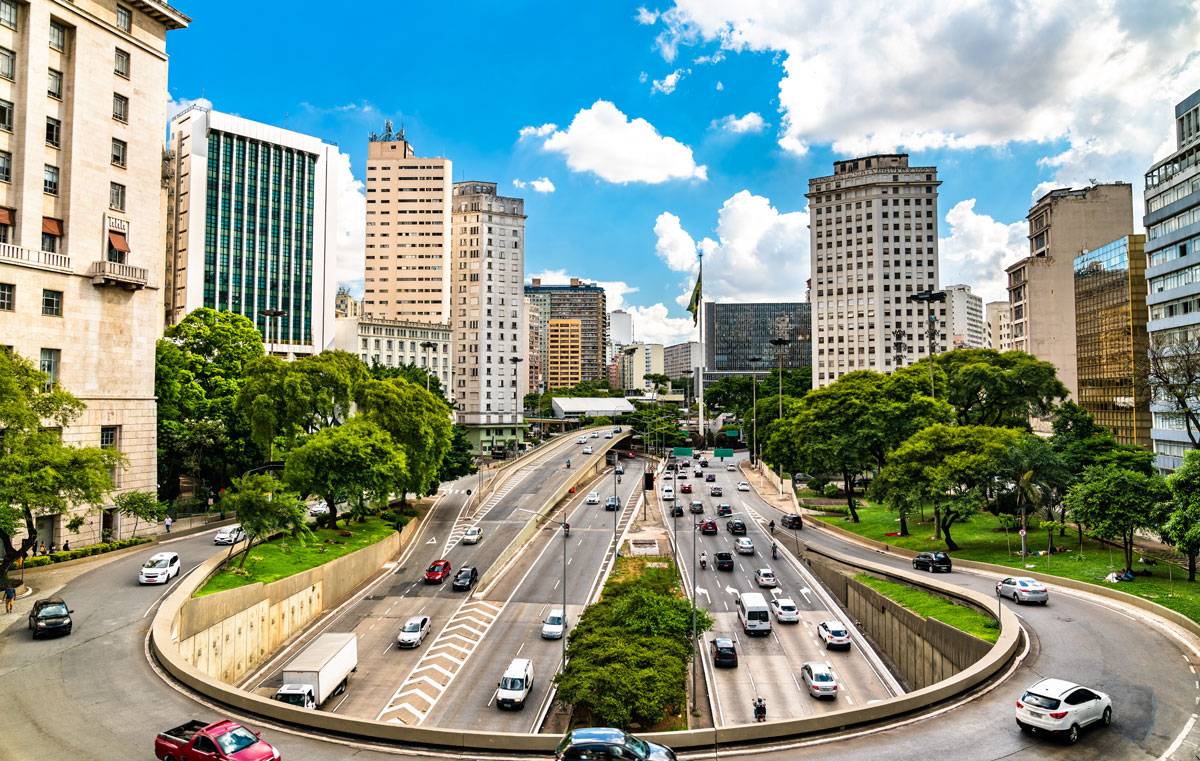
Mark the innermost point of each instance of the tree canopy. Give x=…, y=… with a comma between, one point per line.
x=1115, y=503
x=1179, y=519
x=988, y=388
x=264, y=507
x=417, y=421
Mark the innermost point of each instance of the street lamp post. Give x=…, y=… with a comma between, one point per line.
x=427, y=345
x=779, y=343
x=516, y=361
x=277, y=314
x=928, y=298
x=754, y=406
x=563, y=524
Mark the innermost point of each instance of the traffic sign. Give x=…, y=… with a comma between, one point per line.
x=722, y=453
x=1021, y=532
x=682, y=451
x=733, y=434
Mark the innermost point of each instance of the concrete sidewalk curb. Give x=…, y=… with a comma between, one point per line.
x=154, y=540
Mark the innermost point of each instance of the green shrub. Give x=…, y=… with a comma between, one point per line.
x=817, y=484
x=830, y=491
x=831, y=509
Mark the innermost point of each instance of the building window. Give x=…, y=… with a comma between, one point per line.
x=8, y=297
x=49, y=365
x=120, y=108
x=54, y=86
x=116, y=196
x=8, y=64
x=53, y=132
x=118, y=152
x=6, y=115
x=5, y=233
x=5, y=167
x=8, y=14
x=121, y=64
x=50, y=180
x=50, y=242
x=58, y=36
x=51, y=302
x=124, y=18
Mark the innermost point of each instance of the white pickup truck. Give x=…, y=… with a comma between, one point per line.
x=321, y=671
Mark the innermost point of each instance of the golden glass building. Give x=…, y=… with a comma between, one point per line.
x=1111, y=338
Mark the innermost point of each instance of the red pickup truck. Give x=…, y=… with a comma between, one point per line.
x=199, y=740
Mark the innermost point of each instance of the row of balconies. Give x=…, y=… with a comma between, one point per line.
x=102, y=273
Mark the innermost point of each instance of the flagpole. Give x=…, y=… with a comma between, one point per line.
x=700, y=374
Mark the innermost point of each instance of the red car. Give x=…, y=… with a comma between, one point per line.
x=708, y=527
x=223, y=739
x=437, y=572
x=685, y=488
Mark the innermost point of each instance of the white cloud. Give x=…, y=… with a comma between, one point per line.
x=602, y=140
x=652, y=325
x=979, y=248
x=720, y=85
x=646, y=17
x=1100, y=76
x=751, y=122
x=351, y=218
x=614, y=290
x=675, y=247
x=541, y=185
x=174, y=106
x=667, y=84
x=541, y=131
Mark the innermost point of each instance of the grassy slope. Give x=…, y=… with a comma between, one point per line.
x=927, y=605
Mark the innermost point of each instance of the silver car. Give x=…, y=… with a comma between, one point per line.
x=472, y=535
x=416, y=628
x=819, y=680
x=1022, y=589
x=552, y=627
x=785, y=610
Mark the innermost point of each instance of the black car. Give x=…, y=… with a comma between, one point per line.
x=697, y=473
x=612, y=503
x=619, y=470
x=601, y=742
x=724, y=511
x=465, y=579
x=703, y=463
x=736, y=526
x=792, y=521
x=696, y=507
x=932, y=562
x=708, y=527
x=676, y=509
x=724, y=561
x=670, y=466
x=710, y=476
x=50, y=616
x=723, y=652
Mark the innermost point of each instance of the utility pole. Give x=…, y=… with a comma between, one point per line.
x=779, y=343
x=754, y=405
x=929, y=298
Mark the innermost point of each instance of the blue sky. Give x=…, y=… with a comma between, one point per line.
x=670, y=129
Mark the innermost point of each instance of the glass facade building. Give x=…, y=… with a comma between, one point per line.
x=733, y=333
x=1111, y=339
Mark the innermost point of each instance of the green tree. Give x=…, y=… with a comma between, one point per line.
x=1179, y=519
x=1082, y=443
x=141, y=506
x=410, y=372
x=988, y=388
x=39, y=474
x=1115, y=504
x=274, y=402
x=459, y=461
x=1039, y=479
x=264, y=507
x=328, y=381
x=417, y=421
x=659, y=381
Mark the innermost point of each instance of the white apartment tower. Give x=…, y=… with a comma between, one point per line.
x=252, y=212
x=999, y=326
x=873, y=228
x=487, y=315
x=965, y=327
x=407, y=252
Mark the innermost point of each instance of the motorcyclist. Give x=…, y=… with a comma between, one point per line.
x=760, y=709
x=773, y=551
x=703, y=559
x=568, y=463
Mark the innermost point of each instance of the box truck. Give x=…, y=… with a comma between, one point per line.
x=321, y=671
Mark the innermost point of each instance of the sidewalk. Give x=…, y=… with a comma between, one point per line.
x=767, y=491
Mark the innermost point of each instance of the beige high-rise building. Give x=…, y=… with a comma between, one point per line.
x=81, y=238
x=407, y=267
x=486, y=313
x=533, y=354
x=1063, y=224
x=999, y=326
x=636, y=362
x=564, y=368
x=964, y=318
x=874, y=246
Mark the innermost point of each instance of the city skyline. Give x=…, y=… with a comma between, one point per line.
x=708, y=160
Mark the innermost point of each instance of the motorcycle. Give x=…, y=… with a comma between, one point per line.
x=703, y=563
x=568, y=464
x=774, y=554
x=760, y=710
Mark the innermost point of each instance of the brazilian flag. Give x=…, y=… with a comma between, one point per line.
x=694, y=304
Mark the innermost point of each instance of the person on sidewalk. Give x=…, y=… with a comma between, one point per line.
x=67, y=546
x=10, y=594
x=167, y=522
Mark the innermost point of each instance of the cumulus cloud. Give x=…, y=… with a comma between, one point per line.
x=965, y=76
x=176, y=106
x=979, y=248
x=720, y=85
x=541, y=185
x=602, y=140
x=674, y=246
x=751, y=122
x=667, y=84
x=653, y=325
x=541, y=131
x=646, y=17
x=351, y=216
x=615, y=291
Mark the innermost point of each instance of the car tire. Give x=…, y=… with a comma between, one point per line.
x=1106, y=717
x=1072, y=735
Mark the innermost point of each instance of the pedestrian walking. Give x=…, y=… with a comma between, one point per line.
x=167, y=521
x=10, y=594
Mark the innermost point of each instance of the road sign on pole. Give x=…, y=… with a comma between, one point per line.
x=722, y=453
x=682, y=451
x=1021, y=532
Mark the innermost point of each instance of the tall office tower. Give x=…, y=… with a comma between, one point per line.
x=533, y=354
x=736, y=333
x=1111, y=339
x=81, y=239
x=564, y=345
x=581, y=301
x=999, y=326
x=262, y=236
x=486, y=312
x=681, y=360
x=407, y=256
x=1172, y=241
x=964, y=318
x=620, y=333
x=1041, y=287
x=636, y=362
x=874, y=247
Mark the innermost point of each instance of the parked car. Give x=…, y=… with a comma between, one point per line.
x=724, y=511
x=710, y=477
x=833, y=634
x=1023, y=589
x=587, y=449
x=229, y=535
x=819, y=680
x=715, y=491
x=765, y=577
x=785, y=610
x=731, y=468
x=318, y=508
x=743, y=486
x=465, y=579
x=437, y=572
x=735, y=526
x=708, y=527
x=414, y=631
x=552, y=627
x=472, y=535
x=612, y=503
x=600, y=742
x=744, y=546
x=593, y=498
x=160, y=568
x=697, y=506
x=50, y=616
x=724, y=561
x=723, y=652
x=932, y=562
x=1063, y=708
x=685, y=488
x=792, y=521
x=221, y=739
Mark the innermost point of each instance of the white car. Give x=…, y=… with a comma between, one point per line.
x=595, y=435
x=229, y=535
x=833, y=634
x=731, y=468
x=744, y=546
x=1062, y=707
x=819, y=680
x=593, y=498
x=668, y=477
x=160, y=568
x=785, y=610
x=587, y=449
x=472, y=535
x=415, y=630
x=318, y=508
x=668, y=492
x=765, y=577
x=608, y=435
x=552, y=627
x=581, y=440
x=1022, y=589
x=743, y=486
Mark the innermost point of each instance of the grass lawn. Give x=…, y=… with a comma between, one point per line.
x=982, y=539
x=286, y=556
x=930, y=606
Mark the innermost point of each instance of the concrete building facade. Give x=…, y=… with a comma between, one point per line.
x=580, y=301
x=736, y=332
x=874, y=245
x=620, y=333
x=394, y=343
x=82, y=239
x=964, y=318
x=487, y=315
x=1063, y=224
x=636, y=362
x=681, y=360
x=345, y=305
x=533, y=342
x=408, y=241
x=564, y=342
x=253, y=227
x=1172, y=223
x=999, y=326
x=1111, y=338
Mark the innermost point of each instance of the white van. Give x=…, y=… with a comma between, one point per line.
x=516, y=684
x=753, y=613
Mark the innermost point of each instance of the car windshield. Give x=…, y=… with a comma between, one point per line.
x=53, y=611
x=1039, y=701
x=837, y=632
x=822, y=676
x=435, y=568
x=554, y=620
x=724, y=555
x=512, y=683
x=464, y=574
x=235, y=740
x=156, y=563
x=639, y=745
x=412, y=626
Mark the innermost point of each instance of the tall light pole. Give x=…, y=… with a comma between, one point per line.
x=277, y=314
x=754, y=405
x=563, y=524
x=929, y=298
x=516, y=362
x=779, y=343
x=427, y=345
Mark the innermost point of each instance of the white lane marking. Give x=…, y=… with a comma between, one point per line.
x=493, y=697
x=1178, y=739
x=519, y=649
x=556, y=583
x=389, y=647
x=796, y=682
x=432, y=540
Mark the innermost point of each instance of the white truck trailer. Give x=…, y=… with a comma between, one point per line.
x=321, y=671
